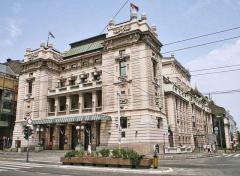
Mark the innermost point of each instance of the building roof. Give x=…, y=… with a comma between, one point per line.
x=86, y=45
x=217, y=110
x=172, y=59
x=15, y=65
x=5, y=69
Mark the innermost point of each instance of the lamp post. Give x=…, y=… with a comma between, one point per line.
x=78, y=141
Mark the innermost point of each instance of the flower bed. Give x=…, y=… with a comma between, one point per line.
x=105, y=157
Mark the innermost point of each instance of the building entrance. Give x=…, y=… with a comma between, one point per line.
x=61, y=137
x=87, y=136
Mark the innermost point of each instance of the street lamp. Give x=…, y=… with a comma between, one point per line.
x=78, y=142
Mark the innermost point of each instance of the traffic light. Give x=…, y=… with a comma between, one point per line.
x=27, y=132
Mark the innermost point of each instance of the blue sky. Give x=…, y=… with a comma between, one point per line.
x=25, y=23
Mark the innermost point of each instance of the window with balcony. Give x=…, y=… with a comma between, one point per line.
x=122, y=68
x=62, y=83
x=72, y=81
x=123, y=122
x=74, y=102
x=62, y=103
x=51, y=105
x=87, y=100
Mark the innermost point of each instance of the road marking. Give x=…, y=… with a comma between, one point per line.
x=11, y=168
x=23, y=164
x=3, y=170
x=237, y=155
x=228, y=155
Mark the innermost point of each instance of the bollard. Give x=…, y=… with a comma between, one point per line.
x=155, y=161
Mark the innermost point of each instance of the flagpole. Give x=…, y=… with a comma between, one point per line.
x=47, y=39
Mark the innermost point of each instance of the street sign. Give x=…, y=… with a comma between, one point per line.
x=29, y=121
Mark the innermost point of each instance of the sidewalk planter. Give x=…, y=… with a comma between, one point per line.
x=106, y=161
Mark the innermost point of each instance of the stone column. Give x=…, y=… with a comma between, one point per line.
x=80, y=102
x=94, y=135
x=56, y=105
x=55, y=138
x=68, y=132
x=94, y=101
x=68, y=105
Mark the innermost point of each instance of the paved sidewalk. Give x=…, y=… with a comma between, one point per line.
x=186, y=156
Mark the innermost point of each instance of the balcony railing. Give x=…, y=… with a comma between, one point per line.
x=74, y=111
x=98, y=109
x=77, y=87
x=86, y=110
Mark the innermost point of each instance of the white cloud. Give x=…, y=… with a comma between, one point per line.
x=14, y=27
x=226, y=55
x=11, y=25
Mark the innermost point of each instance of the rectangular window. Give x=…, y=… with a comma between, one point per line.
x=123, y=134
x=159, y=122
x=123, y=122
x=51, y=105
x=62, y=103
x=74, y=102
x=62, y=83
x=154, y=69
x=30, y=87
x=123, y=68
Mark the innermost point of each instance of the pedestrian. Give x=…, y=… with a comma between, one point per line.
x=204, y=147
x=208, y=148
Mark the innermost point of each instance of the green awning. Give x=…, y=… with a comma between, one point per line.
x=71, y=118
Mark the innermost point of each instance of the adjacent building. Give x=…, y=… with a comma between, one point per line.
x=187, y=110
x=106, y=91
x=8, y=100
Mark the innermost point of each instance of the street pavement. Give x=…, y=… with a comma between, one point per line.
x=219, y=165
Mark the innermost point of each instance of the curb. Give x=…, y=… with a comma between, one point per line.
x=174, y=157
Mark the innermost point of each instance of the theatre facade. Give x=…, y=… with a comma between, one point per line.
x=105, y=91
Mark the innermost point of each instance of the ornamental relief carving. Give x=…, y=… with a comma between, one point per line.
x=121, y=29
x=121, y=41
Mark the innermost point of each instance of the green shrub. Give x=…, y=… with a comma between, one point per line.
x=135, y=158
x=80, y=153
x=95, y=154
x=116, y=153
x=105, y=152
x=124, y=153
x=71, y=153
x=74, y=153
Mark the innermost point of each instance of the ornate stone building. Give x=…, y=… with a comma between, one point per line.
x=187, y=110
x=80, y=97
